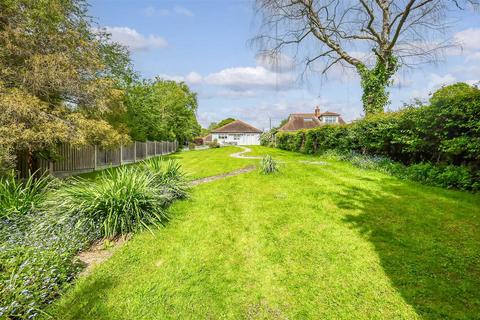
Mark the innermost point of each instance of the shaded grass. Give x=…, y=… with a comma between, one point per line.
x=313, y=242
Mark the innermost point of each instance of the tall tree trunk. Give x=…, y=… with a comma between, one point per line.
x=375, y=83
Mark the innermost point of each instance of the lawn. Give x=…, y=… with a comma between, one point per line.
x=199, y=164
x=311, y=242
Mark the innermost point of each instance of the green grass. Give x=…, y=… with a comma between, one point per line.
x=311, y=242
x=199, y=164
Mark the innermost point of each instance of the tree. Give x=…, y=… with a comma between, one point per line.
x=390, y=34
x=160, y=110
x=58, y=78
x=215, y=125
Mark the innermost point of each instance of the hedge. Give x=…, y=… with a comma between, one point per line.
x=445, y=132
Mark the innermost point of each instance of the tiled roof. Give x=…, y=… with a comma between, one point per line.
x=208, y=138
x=329, y=113
x=237, y=126
x=298, y=121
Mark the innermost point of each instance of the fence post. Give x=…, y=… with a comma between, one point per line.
x=121, y=154
x=95, y=160
x=155, y=144
x=50, y=167
x=134, y=151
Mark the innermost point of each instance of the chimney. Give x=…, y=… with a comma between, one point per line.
x=317, y=112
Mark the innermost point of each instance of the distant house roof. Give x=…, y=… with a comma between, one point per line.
x=298, y=121
x=329, y=113
x=208, y=138
x=237, y=126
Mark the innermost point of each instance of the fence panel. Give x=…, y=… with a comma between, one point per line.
x=70, y=160
x=128, y=153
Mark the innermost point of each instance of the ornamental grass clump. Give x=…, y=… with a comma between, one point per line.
x=268, y=165
x=23, y=196
x=169, y=177
x=118, y=202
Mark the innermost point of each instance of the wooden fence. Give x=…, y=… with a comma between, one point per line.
x=73, y=160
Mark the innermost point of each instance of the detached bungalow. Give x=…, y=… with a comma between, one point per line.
x=237, y=133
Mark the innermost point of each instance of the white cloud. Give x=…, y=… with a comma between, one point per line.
x=165, y=76
x=469, y=44
x=401, y=81
x=437, y=81
x=183, y=11
x=191, y=78
x=250, y=78
x=152, y=11
x=469, y=39
x=134, y=40
x=434, y=83
x=227, y=93
x=473, y=57
x=276, y=63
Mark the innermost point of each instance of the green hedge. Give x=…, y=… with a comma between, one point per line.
x=445, y=132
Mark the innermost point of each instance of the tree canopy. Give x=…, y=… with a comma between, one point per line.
x=56, y=76
x=215, y=125
x=159, y=110
x=62, y=80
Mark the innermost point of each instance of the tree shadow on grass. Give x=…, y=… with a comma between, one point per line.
x=86, y=301
x=428, y=242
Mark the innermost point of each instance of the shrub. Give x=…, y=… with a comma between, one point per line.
x=457, y=177
x=118, y=202
x=444, y=133
x=169, y=177
x=191, y=146
x=214, y=144
x=7, y=161
x=267, y=139
x=268, y=165
x=37, y=261
x=23, y=197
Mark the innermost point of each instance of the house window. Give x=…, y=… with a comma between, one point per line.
x=236, y=137
x=222, y=137
x=330, y=119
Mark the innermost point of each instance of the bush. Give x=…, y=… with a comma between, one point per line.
x=169, y=177
x=7, y=161
x=37, y=260
x=444, y=133
x=119, y=202
x=268, y=165
x=46, y=227
x=191, y=146
x=267, y=139
x=452, y=177
x=23, y=197
x=214, y=144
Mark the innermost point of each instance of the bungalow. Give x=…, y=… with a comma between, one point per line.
x=237, y=133
x=298, y=121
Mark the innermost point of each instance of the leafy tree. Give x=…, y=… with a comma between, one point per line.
x=215, y=125
x=160, y=110
x=57, y=77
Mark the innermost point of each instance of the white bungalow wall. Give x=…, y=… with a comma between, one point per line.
x=241, y=139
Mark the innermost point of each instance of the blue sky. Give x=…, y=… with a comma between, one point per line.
x=205, y=43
